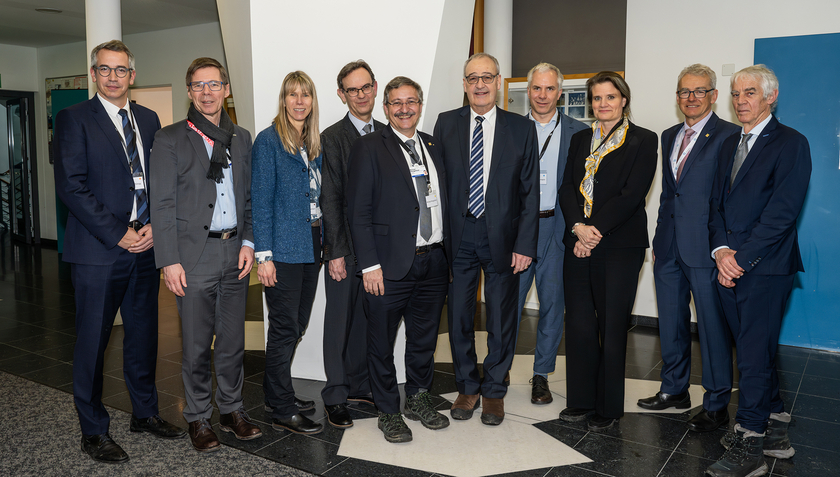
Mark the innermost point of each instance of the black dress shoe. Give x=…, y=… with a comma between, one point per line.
x=598, y=422
x=539, y=390
x=362, y=399
x=664, y=400
x=705, y=421
x=303, y=405
x=338, y=416
x=103, y=449
x=298, y=424
x=157, y=427
x=575, y=414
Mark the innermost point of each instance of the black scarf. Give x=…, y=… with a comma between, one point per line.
x=221, y=136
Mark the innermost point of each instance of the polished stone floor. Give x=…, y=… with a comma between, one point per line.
x=37, y=338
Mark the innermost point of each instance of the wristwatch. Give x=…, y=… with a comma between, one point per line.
x=575, y=225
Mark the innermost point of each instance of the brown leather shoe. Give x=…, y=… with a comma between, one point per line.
x=202, y=436
x=464, y=405
x=493, y=412
x=240, y=424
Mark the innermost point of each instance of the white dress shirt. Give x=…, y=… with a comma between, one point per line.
x=114, y=114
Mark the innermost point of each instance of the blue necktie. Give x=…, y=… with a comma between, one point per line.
x=476, y=205
x=136, y=169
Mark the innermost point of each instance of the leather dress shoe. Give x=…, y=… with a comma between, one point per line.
x=157, y=427
x=362, y=399
x=493, y=411
x=705, y=421
x=103, y=449
x=464, y=406
x=299, y=424
x=662, y=400
x=598, y=422
x=575, y=414
x=202, y=436
x=539, y=390
x=338, y=416
x=507, y=379
x=240, y=424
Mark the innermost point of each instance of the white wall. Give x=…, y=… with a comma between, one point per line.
x=18, y=68
x=664, y=37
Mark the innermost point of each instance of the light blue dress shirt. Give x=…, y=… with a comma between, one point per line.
x=548, y=163
x=224, y=213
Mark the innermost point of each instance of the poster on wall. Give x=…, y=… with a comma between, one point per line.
x=63, y=83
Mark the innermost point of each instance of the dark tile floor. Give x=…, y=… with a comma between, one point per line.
x=37, y=338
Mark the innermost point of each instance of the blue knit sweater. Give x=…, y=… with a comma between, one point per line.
x=280, y=200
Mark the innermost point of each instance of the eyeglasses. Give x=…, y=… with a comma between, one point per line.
x=105, y=71
x=355, y=91
x=487, y=79
x=198, y=86
x=698, y=93
x=410, y=103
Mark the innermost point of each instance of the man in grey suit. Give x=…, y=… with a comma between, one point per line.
x=682, y=255
x=201, y=214
x=345, y=350
x=554, y=130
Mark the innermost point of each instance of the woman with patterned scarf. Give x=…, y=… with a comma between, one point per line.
x=608, y=174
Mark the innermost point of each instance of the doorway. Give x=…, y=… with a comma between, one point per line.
x=19, y=212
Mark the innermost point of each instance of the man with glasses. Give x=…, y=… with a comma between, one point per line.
x=201, y=212
x=102, y=149
x=345, y=349
x=491, y=159
x=396, y=206
x=682, y=265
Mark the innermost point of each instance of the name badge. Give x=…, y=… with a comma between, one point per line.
x=417, y=170
x=543, y=177
x=314, y=210
x=431, y=199
x=138, y=183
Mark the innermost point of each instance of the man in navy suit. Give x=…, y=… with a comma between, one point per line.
x=397, y=205
x=491, y=160
x=757, y=196
x=554, y=130
x=682, y=265
x=102, y=151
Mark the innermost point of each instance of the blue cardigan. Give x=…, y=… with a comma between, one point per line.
x=280, y=200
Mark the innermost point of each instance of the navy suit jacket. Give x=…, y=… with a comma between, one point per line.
x=382, y=203
x=511, y=195
x=757, y=215
x=93, y=179
x=684, y=207
x=568, y=127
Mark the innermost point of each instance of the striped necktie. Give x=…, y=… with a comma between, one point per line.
x=136, y=169
x=476, y=204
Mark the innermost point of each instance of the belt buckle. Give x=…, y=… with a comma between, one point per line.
x=227, y=235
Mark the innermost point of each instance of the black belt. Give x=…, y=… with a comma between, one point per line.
x=224, y=234
x=470, y=215
x=544, y=214
x=427, y=248
x=136, y=225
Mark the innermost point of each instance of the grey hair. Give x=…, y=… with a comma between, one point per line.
x=545, y=68
x=481, y=55
x=765, y=77
x=399, y=82
x=699, y=70
x=113, y=45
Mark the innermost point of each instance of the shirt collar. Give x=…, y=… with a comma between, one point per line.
x=488, y=116
x=405, y=138
x=552, y=121
x=110, y=108
x=699, y=125
x=359, y=124
x=756, y=131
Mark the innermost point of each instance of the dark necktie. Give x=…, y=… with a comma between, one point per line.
x=136, y=169
x=420, y=185
x=476, y=204
x=367, y=129
x=740, y=155
x=686, y=141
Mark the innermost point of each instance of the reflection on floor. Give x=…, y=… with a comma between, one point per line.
x=37, y=335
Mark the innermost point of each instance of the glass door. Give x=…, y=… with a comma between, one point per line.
x=16, y=182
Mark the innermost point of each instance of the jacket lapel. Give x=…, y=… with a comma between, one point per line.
x=705, y=136
x=390, y=140
x=110, y=132
x=465, y=132
x=499, y=141
x=198, y=144
x=668, y=138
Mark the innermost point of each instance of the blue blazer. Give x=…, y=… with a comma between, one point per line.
x=757, y=215
x=93, y=179
x=280, y=199
x=568, y=126
x=684, y=207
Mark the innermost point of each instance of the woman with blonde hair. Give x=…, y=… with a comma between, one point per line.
x=285, y=199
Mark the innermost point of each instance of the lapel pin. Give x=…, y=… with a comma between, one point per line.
x=707, y=134
x=431, y=143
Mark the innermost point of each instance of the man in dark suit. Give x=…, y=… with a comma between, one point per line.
x=491, y=161
x=554, y=130
x=101, y=159
x=201, y=211
x=682, y=266
x=345, y=350
x=756, y=199
x=396, y=205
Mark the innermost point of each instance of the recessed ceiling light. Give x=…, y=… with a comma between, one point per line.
x=48, y=10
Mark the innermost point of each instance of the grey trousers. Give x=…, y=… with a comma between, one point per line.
x=214, y=304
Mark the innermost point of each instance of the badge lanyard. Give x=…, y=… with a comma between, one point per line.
x=423, y=161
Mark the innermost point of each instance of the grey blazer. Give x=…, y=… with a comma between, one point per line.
x=336, y=142
x=181, y=204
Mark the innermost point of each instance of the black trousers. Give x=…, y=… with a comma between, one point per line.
x=289, y=306
x=600, y=291
x=419, y=299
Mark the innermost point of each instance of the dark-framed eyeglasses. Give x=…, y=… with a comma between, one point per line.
x=698, y=93
x=105, y=71
x=410, y=103
x=355, y=91
x=487, y=79
x=198, y=86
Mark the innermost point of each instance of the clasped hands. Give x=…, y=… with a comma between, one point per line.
x=588, y=237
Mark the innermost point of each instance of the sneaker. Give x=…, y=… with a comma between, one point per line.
x=776, y=440
x=419, y=407
x=394, y=428
x=744, y=458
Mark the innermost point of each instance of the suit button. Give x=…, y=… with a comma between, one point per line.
x=678, y=194
x=307, y=194
x=729, y=232
x=416, y=209
x=304, y=169
x=128, y=214
x=467, y=192
x=413, y=235
x=672, y=216
x=206, y=227
x=307, y=220
x=131, y=188
x=210, y=205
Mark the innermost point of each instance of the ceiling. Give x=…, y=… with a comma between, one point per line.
x=21, y=25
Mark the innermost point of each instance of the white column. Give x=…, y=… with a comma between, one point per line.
x=498, y=36
x=102, y=23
